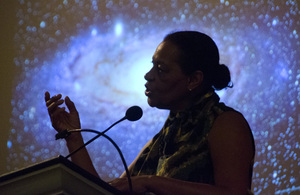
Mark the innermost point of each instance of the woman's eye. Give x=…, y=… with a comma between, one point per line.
x=159, y=68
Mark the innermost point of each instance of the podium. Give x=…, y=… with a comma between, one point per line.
x=56, y=176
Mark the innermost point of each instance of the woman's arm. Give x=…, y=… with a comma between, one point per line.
x=232, y=151
x=82, y=157
x=62, y=120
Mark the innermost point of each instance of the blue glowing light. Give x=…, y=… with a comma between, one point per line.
x=118, y=29
x=43, y=24
x=9, y=144
x=94, y=32
x=275, y=21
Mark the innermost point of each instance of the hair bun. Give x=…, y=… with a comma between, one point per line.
x=221, y=77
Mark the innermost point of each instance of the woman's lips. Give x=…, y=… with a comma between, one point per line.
x=147, y=91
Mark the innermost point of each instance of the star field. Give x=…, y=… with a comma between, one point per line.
x=97, y=52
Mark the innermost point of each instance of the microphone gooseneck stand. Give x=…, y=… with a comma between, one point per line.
x=132, y=114
x=108, y=138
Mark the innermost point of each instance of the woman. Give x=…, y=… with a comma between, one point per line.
x=204, y=147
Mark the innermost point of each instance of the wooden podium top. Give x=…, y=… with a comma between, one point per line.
x=54, y=176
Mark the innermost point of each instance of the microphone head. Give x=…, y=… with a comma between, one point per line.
x=134, y=113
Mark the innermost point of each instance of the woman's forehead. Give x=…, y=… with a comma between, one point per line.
x=166, y=49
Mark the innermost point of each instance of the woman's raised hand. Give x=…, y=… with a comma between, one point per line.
x=60, y=118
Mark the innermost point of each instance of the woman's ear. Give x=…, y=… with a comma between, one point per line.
x=195, y=80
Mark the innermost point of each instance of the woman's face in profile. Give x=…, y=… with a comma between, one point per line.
x=167, y=86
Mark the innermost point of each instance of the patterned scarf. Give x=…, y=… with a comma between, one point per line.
x=180, y=150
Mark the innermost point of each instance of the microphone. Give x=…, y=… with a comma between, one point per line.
x=134, y=113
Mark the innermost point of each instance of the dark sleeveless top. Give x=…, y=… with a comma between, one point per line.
x=180, y=150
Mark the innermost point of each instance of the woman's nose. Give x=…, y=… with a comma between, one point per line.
x=149, y=75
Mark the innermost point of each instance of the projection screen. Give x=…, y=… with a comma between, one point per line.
x=97, y=52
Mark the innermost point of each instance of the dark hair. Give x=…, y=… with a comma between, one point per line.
x=199, y=52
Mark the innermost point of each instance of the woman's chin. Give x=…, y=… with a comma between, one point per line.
x=153, y=103
x=150, y=102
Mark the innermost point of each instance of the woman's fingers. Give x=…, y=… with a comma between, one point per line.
x=49, y=100
x=60, y=118
x=53, y=102
x=121, y=184
x=70, y=105
x=54, y=105
x=53, y=99
x=47, y=96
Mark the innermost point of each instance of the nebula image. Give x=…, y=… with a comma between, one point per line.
x=97, y=52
